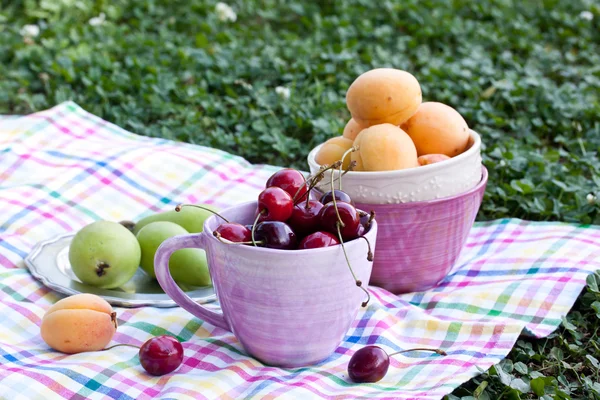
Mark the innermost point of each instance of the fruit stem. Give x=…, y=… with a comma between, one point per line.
x=335, y=203
x=369, y=252
x=371, y=218
x=180, y=206
x=358, y=281
x=318, y=176
x=113, y=319
x=307, y=206
x=121, y=344
x=299, y=189
x=223, y=240
x=350, y=150
x=313, y=179
x=437, y=351
x=254, y=227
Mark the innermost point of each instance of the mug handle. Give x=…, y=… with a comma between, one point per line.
x=163, y=275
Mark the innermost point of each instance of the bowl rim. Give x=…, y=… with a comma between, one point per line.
x=407, y=172
x=206, y=231
x=481, y=184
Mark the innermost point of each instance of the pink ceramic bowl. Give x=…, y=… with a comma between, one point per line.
x=287, y=308
x=419, y=242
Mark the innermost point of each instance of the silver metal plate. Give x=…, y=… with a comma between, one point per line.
x=48, y=262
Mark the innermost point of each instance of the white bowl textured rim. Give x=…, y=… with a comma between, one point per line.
x=408, y=172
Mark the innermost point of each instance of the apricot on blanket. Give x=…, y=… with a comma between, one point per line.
x=78, y=323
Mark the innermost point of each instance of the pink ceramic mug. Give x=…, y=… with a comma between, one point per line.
x=287, y=308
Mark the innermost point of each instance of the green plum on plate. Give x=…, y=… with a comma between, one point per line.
x=190, y=218
x=187, y=266
x=104, y=254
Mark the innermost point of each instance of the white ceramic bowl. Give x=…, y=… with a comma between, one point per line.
x=427, y=182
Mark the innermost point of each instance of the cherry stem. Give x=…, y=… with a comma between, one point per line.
x=314, y=179
x=121, y=344
x=307, y=206
x=299, y=189
x=369, y=252
x=371, y=218
x=437, y=351
x=180, y=206
x=335, y=203
x=358, y=281
x=313, y=183
x=350, y=150
x=318, y=176
x=254, y=226
x=226, y=241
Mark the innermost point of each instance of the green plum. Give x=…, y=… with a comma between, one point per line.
x=190, y=218
x=104, y=254
x=187, y=266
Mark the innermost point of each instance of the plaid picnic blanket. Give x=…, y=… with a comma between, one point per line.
x=63, y=168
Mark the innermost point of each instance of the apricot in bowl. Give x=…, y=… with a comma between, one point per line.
x=437, y=128
x=383, y=95
x=426, y=182
x=384, y=147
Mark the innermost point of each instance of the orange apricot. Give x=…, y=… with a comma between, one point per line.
x=78, y=323
x=384, y=147
x=333, y=150
x=427, y=159
x=352, y=129
x=383, y=95
x=437, y=128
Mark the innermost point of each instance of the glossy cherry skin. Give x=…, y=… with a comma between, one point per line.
x=348, y=215
x=305, y=220
x=368, y=364
x=234, y=232
x=290, y=180
x=275, y=235
x=361, y=230
x=318, y=239
x=161, y=355
x=339, y=196
x=275, y=204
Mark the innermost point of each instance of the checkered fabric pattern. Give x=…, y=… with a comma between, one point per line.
x=63, y=168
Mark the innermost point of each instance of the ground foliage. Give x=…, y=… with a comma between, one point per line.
x=524, y=74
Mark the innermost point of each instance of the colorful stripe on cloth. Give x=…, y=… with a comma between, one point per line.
x=63, y=168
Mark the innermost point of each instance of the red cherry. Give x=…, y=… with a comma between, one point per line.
x=276, y=235
x=234, y=232
x=348, y=215
x=339, y=196
x=318, y=239
x=305, y=220
x=275, y=204
x=371, y=363
x=290, y=180
x=368, y=364
x=161, y=355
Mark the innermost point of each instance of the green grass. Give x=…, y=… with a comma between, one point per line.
x=524, y=74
